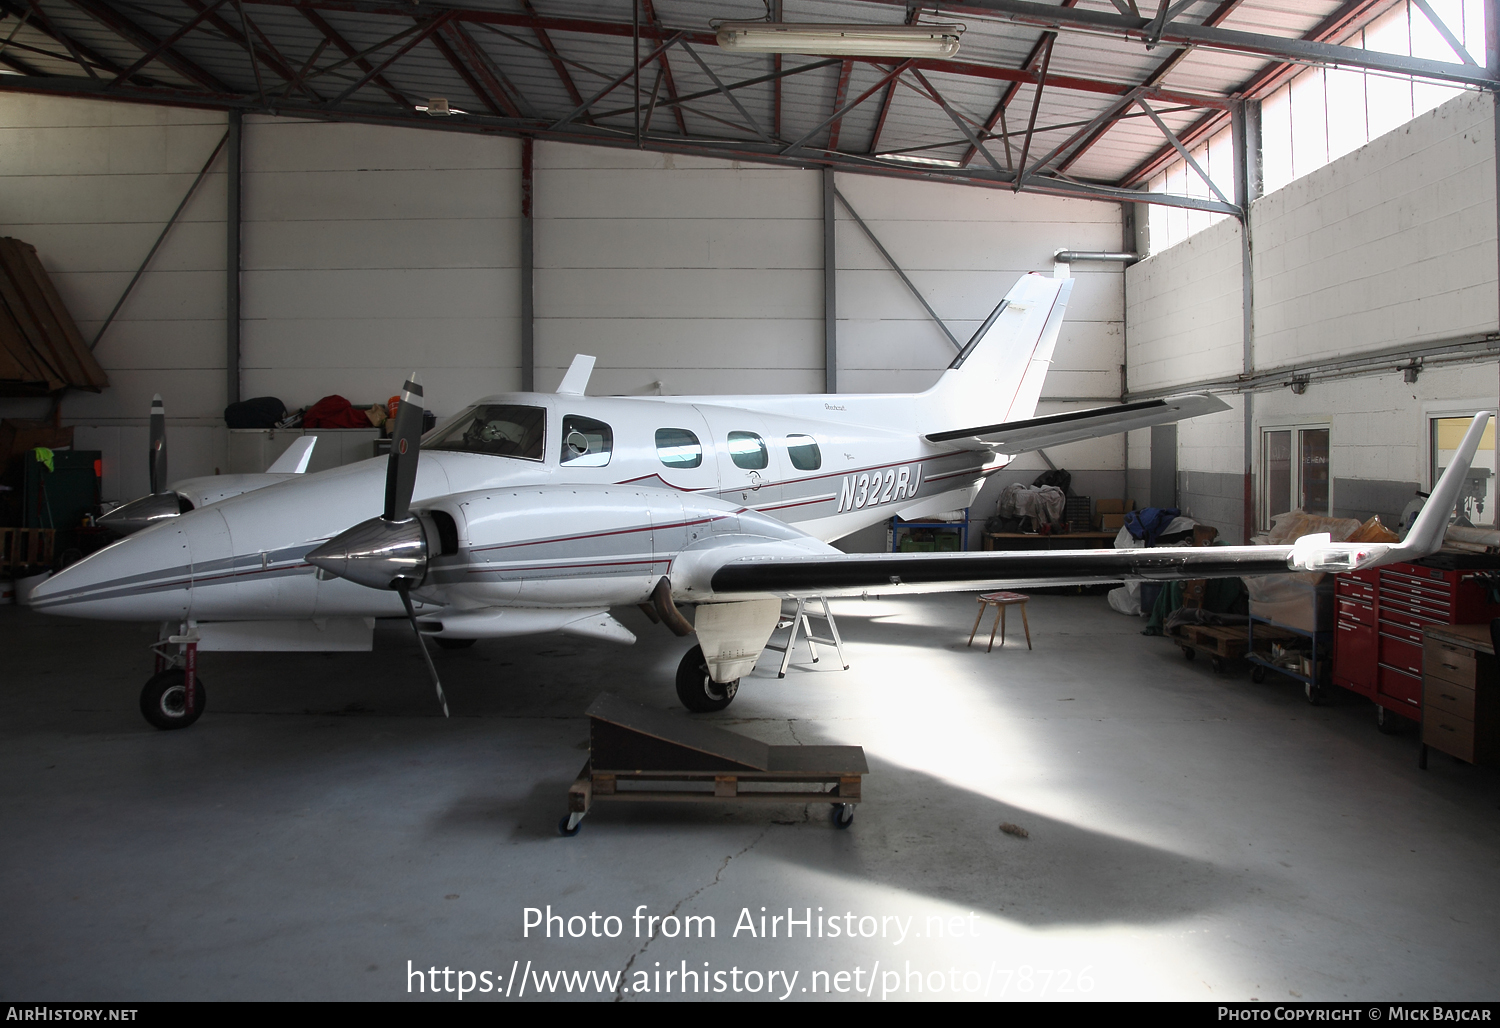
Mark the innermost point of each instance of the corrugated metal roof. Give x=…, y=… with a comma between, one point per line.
x=519, y=66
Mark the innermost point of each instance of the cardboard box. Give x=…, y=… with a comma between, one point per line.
x=1111, y=522
x=1106, y=506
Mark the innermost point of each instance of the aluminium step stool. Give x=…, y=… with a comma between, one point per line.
x=643, y=755
x=799, y=621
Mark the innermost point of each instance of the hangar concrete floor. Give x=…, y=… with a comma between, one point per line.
x=1191, y=836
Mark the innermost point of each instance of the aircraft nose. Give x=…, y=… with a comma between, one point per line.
x=147, y=576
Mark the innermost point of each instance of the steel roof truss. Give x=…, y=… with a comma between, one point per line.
x=1186, y=156
x=428, y=29
x=1036, y=103
x=145, y=41
x=750, y=121
x=330, y=34
x=617, y=82
x=838, y=113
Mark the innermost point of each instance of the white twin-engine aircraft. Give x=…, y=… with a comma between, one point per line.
x=531, y=513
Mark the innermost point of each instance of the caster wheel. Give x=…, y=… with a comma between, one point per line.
x=454, y=644
x=564, y=830
x=1315, y=694
x=1257, y=674
x=1188, y=653
x=843, y=815
x=1389, y=722
x=164, y=699
x=1217, y=663
x=697, y=691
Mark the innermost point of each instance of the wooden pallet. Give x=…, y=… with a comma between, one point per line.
x=638, y=754
x=22, y=549
x=1227, y=641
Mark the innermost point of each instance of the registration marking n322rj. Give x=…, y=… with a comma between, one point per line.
x=869, y=488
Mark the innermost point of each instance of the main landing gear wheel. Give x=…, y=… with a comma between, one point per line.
x=843, y=815
x=453, y=644
x=697, y=691
x=164, y=699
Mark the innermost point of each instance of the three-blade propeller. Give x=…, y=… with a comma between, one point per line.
x=390, y=552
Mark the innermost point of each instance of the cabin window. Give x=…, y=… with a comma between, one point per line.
x=499, y=429
x=748, y=451
x=803, y=449
x=586, y=443
x=678, y=448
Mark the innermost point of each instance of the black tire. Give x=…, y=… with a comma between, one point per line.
x=1258, y=673
x=1315, y=694
x=843, y=815
x=1388, y=721
x=453, y=644
x=564, y=830
x=1189, y=653
x=1217, y=663
x=697, y=691
x=163, y=699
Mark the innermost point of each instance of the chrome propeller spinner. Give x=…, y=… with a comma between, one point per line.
x=391, y=551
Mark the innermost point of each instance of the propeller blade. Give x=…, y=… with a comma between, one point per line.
x=411, y=616
x=401, y=472
x=157, y=456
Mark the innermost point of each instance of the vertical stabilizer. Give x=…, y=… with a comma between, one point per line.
x=998, y=375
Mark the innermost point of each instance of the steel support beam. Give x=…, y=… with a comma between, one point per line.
x=905, y=280
x=146, y=42
x=528, y=266
x=1245, y=133
x=840, y=90
x=233, y=219
x=317, y=21
x=1182, y=34
x=1036, y=105
x=830, y=285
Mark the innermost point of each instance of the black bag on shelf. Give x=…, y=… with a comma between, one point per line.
x=1058, y=477
x=259, y=412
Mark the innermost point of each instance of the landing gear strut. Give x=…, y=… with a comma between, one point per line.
x=174, y=697
x=697, y=690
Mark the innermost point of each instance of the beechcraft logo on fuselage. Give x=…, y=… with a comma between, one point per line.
x=867, y=489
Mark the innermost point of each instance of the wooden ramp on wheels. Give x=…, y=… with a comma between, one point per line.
x=639, y=754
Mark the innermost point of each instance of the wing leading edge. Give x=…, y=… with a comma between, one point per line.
x=1056, y=429
x=856, y=573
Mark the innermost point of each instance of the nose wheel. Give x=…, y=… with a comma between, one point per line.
x=164, y=699
x=696, y=688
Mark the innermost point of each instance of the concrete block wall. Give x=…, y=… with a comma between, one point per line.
x=368, y=251
x=1392, y=244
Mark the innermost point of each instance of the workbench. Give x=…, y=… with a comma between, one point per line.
x=1460, y=712
x=1060, y=541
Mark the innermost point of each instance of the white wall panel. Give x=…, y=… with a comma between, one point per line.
x=91, y=185
x=370, y=252
x=1186, y=311
x=1393, y=243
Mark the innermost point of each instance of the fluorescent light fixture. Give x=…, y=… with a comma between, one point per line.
x=764, y=37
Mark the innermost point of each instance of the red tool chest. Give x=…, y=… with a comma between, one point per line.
x=1377, y=639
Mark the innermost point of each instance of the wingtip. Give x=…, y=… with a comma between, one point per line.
x=1426, y=535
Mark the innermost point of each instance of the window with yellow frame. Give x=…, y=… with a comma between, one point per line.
x=1476, y=503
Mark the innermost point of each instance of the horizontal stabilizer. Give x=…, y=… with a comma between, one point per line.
x=1056, y=429
x=293, y=460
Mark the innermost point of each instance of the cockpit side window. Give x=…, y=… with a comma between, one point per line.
x=500, y=429
x=803, y=449
x=748, y=451
x=678, y=448
x=586, y=443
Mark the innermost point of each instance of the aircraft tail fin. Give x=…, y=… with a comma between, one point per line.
x=997, y=377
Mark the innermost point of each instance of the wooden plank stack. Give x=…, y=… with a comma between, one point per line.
x=41, y=350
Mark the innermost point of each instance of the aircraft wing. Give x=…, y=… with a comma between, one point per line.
x=889, y=573
x=775, y=569
x=1056, y=429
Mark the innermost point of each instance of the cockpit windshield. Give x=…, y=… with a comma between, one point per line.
x=502, y=429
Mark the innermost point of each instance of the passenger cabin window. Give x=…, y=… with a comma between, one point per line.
x=678, y=448
x=748, y=451
x=500, y=429
x=803, y=449
x=586, y=443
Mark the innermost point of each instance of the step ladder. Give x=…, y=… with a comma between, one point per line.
x=799, y=622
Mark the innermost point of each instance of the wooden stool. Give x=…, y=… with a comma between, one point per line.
x=1000, y=602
